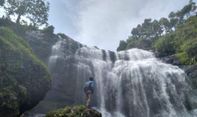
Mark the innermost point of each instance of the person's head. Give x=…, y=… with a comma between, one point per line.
x=91, y=78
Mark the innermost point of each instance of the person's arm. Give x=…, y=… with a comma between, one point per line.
x=93, y=84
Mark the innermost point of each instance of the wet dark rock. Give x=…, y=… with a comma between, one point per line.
x=41, y=43
x=191, y=72
x=192, y=100
x=171, y=60
x=24, y=79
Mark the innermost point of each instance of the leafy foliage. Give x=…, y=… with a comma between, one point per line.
x=176, y=34
x=49, y=30
x=39, y=12
x=34, y=10
x=182, y=42
x=138, y=43
x=192, y=50
x=166, y=45
x=122, y=45
x=145, y=34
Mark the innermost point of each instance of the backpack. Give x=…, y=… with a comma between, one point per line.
x=89, y=87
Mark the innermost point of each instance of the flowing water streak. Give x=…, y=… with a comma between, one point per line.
x=136, y=84
x=130, y=83
x=55, y=54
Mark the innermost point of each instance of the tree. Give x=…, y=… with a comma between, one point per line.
x=17, y=7
x=136, y=32
x=49, y=30
x=180, y=16
x=39, y=12
x=165, y=45
x=148, y=30
x=156, y=29
x=34, y=10
x=172, y=15
x=122, y=45
x=185, y=11
x=147, y=33
x=165, y=24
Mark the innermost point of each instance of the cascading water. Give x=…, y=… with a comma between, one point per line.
x=56, y=53
x=136, y=84
x=130, y=83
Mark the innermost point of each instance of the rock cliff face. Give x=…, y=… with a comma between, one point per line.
x=63, y=69
x=24, y=79
x=191, y=72
x=71, y=63
x=41, y=43
x=129, y=83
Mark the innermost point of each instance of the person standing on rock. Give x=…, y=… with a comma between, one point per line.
x=89, y=90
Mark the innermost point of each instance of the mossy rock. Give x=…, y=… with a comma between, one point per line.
x=75, y=111
x=24, y=79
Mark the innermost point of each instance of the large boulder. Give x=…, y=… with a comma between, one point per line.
x=62, y=66
x=24, y=79
x=172, y=59
x=191, y=72
x=41, y=43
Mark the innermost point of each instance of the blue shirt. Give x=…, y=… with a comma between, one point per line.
x=90, y=83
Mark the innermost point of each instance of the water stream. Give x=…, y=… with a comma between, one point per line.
x=132, y=83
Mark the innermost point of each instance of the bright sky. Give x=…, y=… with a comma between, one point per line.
x=103, y=23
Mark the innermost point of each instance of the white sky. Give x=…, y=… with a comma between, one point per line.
x=103, y=23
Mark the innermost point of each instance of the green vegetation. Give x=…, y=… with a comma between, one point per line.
x=41, y=47
x=166, y=45
x=36, y=11
x=49, y=30
x=182, y=42
x=24, y=79
x=175, y=35
x=75, y=111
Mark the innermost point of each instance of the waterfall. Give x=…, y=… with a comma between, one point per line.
x=136, y=84
x=132, y=83
x=55, y=54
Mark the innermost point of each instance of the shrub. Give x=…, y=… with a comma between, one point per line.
x=165, y=45
x=49, y=30
x=122, y=45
